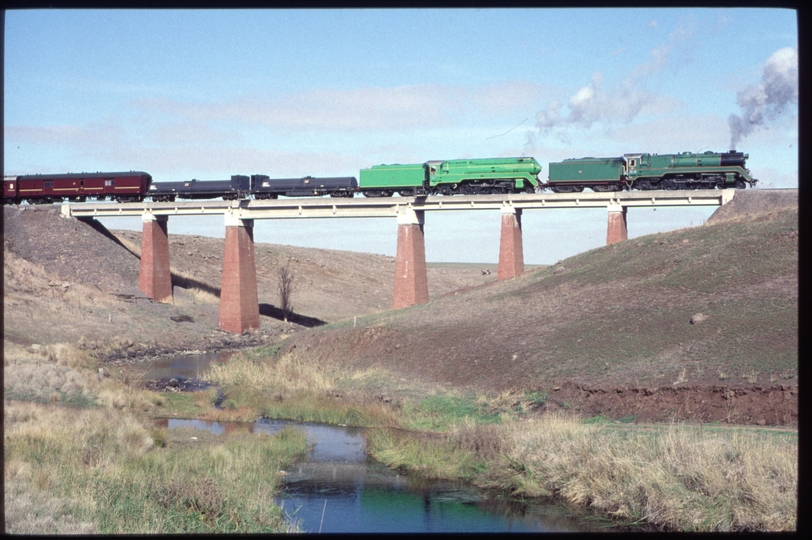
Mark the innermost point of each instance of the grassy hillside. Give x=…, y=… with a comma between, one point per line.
x=72, y=280
x=619, y=315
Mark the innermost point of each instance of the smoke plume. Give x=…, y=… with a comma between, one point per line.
x=592, y=103
x=765, y=101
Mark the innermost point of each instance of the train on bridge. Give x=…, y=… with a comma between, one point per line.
x=687, y=170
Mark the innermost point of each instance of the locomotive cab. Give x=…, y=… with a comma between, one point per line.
x=631, y=165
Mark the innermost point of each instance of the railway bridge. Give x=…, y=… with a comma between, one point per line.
x=239, y=304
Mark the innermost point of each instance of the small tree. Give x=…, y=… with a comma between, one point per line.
x=285, y=287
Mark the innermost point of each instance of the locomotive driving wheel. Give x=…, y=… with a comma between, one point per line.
x=667, y=183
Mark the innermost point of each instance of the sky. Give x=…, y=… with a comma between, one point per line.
x=206, y=94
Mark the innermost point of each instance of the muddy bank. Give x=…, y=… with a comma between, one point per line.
x=129, y=352
x=765, y=405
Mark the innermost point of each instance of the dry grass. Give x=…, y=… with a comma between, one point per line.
x=260, y=383
x=64, y=373
x=36, y=512
x=21, y=276
x=47, y=448
x=259, y=371
x=115, y=395
x=95, y=437
x=681, y=478
x=191, y=284
x=677, y=478
x=133, y=247
x=49, y=373
x=99, y=471
x=180, y=278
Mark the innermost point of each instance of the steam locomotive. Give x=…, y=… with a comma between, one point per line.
x=651, y=171
x=687, y=170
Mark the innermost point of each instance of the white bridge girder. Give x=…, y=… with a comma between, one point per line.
x=392, y=207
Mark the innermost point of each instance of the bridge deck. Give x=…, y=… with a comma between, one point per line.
x=327, y=207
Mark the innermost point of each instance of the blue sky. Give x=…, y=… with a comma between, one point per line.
x=207, y=94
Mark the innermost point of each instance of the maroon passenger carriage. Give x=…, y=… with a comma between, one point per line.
x=49, y=188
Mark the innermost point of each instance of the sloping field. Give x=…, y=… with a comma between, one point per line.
x=710, y=306
x=700, y=323
x=65, y=279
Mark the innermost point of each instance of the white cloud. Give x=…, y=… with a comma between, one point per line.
x=100, y=134
x=369, y=108
x=191, y=132
x=508, y=97
x=365, y=109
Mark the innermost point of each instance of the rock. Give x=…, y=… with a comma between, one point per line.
x=698, y=318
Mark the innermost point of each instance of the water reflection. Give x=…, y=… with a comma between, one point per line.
x=190, y=366
x=339, y=489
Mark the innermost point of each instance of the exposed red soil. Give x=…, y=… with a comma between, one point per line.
x=773, y=405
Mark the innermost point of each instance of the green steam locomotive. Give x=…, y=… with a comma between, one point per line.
x=687, y=170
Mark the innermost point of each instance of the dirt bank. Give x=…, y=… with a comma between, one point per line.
x=767, y=405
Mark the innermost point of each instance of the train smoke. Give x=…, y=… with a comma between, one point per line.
x=764, y=102
x=593, y=104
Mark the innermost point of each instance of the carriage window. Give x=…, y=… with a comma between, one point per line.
x=110, y=182
x=632, y=163
x=307, y=180
x=48, y=184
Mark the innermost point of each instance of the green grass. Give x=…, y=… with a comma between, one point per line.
x=227, y=488
x=324, y=411
x=76, y=399
x=441, y=412
x=599, y=419
x=428, y=458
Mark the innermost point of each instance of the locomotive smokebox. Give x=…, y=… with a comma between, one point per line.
x=733, y=159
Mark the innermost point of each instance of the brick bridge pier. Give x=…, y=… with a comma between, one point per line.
x=239, y=304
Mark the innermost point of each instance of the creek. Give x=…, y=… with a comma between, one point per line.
x=338, y=488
